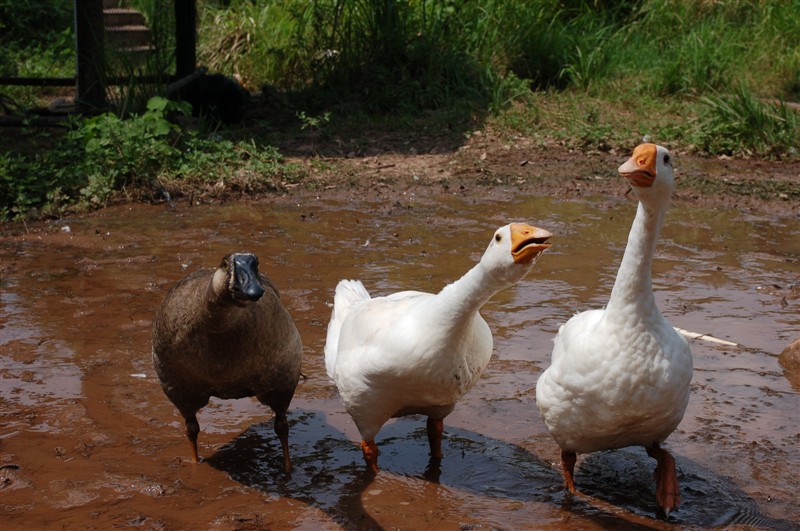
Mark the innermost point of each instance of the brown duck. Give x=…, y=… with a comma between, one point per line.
x=225, y=333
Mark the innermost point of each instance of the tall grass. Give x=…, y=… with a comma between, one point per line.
x=254, y=41
x=740, y=124
x=391, y=53
x=684, y=47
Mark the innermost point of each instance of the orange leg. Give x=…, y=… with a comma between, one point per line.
x=568, y=460
x=666, y=478
x=370, y=450
x=435, y=428
x=192, y=431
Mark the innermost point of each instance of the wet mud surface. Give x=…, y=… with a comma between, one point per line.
x=88, y=440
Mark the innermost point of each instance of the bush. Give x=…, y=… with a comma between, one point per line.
x=32, y=22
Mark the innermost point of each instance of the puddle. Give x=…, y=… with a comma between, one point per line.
x=88, y=439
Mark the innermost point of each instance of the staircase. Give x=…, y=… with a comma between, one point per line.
x=126, y=29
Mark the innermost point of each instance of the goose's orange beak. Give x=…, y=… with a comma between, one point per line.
x=527, y=242
x=640, y=169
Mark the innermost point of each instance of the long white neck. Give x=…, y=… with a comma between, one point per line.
x=633, y=288
x=459, y=301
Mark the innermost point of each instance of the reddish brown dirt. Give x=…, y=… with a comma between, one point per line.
x=557, y=171
x=487, y=163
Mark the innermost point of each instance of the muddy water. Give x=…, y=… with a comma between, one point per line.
x=88, y=440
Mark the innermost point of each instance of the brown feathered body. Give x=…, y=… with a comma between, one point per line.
x=207, y=343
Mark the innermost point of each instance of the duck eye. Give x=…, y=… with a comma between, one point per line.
x=497, y=237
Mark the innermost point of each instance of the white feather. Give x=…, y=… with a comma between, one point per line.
x=620, y=376
x=348, y=293
x=414, y=352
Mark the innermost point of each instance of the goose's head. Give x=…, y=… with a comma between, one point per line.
x=237, y=278
x=649, y=171
x=515, y=248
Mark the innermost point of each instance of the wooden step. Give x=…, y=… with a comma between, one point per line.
x=120, y=16
x=128, y=36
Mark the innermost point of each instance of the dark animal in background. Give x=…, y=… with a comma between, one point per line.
x=225, y=333
x=215, y=97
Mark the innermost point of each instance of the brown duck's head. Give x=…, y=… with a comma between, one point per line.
x=239, y=272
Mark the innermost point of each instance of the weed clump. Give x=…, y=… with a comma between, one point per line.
x=147, y=155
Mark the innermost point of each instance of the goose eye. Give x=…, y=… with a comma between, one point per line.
x=666, y=159
x=497, y=237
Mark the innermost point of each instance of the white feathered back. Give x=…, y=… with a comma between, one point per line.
x=348, y=292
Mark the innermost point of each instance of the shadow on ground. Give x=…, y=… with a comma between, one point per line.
x=329, y=474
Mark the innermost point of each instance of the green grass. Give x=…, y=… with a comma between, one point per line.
x=740, y=124
x=597, y=75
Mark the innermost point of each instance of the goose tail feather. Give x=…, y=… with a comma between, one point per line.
x=348, y=293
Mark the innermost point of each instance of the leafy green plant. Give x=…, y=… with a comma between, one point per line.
x=313, y=122
x=105, y=155
x=117, y=153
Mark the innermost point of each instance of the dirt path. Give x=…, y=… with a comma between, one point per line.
x=488, y=165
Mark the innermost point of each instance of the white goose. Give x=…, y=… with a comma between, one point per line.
x=418, y=353
x=620, y=376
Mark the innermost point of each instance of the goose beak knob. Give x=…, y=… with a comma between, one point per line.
x=640, y=169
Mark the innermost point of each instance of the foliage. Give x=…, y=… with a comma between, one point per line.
x=588, y=74
x=117, y=153
x=105, y=155
x=740, y=124
x=689, y=47
x=252, y=40
x=36, y=40
x=313, y=123
x=33, y=21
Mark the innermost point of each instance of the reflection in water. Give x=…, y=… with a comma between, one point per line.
x=79, y=397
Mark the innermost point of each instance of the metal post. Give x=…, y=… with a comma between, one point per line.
x=185, y=37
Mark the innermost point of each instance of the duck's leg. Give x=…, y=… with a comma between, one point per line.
x=435, y=429
x=666, y=478
x=370, y=450
x=282, y=431
x=192, y=431
x=568, y=460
